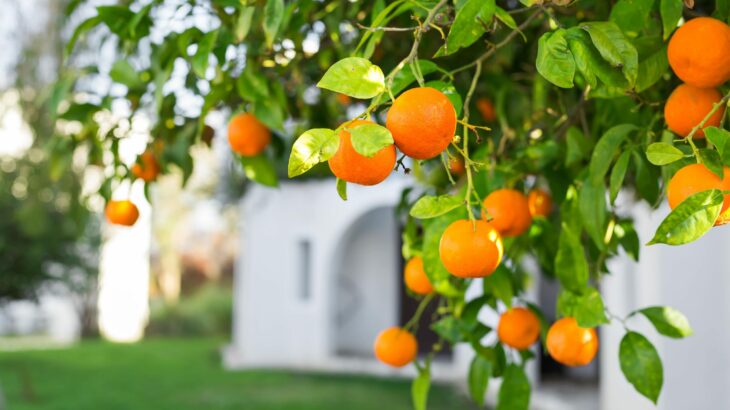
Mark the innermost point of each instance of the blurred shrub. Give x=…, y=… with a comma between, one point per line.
x=207, y=312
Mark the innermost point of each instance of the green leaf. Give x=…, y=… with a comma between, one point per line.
x=554, y=60
x=592, y=206
x=273, y=15
x=79, y=32
x=667, y=321
x=647, y=178
x=579, y=147
x=711, y=159
x=571, y=266
x=419, y=389
x=342, y=189
x=201, y=58
x=614, y=47
x=468, y=25
x=500, y=285
x=651, y=69
x=632, y=15
x=314, y=146
x=641, y=365
x=586, y=306
x=252, y=85
x=662, y=153
x=448, y=328
x=690, y=219
x=270, y=113
x=671, y=11
x=243, y=23
x=123, y=73
x=260, y=169
x=354, y=76
x=405, y=77
x=628, y=238
x=720, y=138
x=369, y=139
x=433, y=206
x=514, y=394
x=618, y=173
x=606, y=149
x=505, y=18
x=479, y=372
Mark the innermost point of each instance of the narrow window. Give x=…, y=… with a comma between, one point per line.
x=305, y=266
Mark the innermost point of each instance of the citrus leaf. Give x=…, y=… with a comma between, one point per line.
x=651, y=69
x=571, y=267
x=618, y=173
x=419, y=389
x=668, y=321
x=433, y=206
x=369, y=139
x=671, y=12
x=592, y=207
x=586, y=306
x=641, y=365
x=720, y=138
x=201, y=59
x=243, y=23
x=690, y=219
x=342, y=189
x=273, y=15
x=711, y=159
x=514, y=394
x=260, y=169
x=312, y=147
x=606, y=148
x=554, y=60
x=468, y=25
x=122, y=72
x=662, y=153
x=479, y=372
x=499, y=284
x=354, y=76
x=251, y=85
x=614, y=47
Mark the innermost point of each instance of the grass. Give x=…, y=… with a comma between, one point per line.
x=184, y=374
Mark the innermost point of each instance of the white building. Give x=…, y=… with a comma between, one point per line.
x=318, y=278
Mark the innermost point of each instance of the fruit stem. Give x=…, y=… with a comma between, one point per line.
x=465, y=149
x=413, y=322
x=413, y=54
x=715, y=107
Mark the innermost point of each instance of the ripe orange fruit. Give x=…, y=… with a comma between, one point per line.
x=415, y=277
x=146, y=168
x=695, y=178
x=687, y=106
x=539, y=202
x=518, y=328
x=698, y=52
x=456, y=166
x=571, y=344
x=121, y=212
x=350, y=166
x=509, y=210
x=471, y=250
x=396, y=347
x=422, y=121
x=247, y=135
x=486, y=108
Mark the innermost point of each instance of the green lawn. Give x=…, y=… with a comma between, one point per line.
x=186, y=374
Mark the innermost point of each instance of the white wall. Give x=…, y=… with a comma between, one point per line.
x=692, y=278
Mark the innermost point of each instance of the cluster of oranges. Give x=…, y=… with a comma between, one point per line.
x=471, y=249
x=699, y=53
x=125, y=212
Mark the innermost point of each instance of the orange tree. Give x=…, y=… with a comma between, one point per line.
x=523, y=121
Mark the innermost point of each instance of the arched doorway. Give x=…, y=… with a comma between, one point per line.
x=366, y=282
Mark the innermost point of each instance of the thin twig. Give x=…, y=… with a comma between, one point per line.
x=362, y=27
x=499, y=45
x=715, y=108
